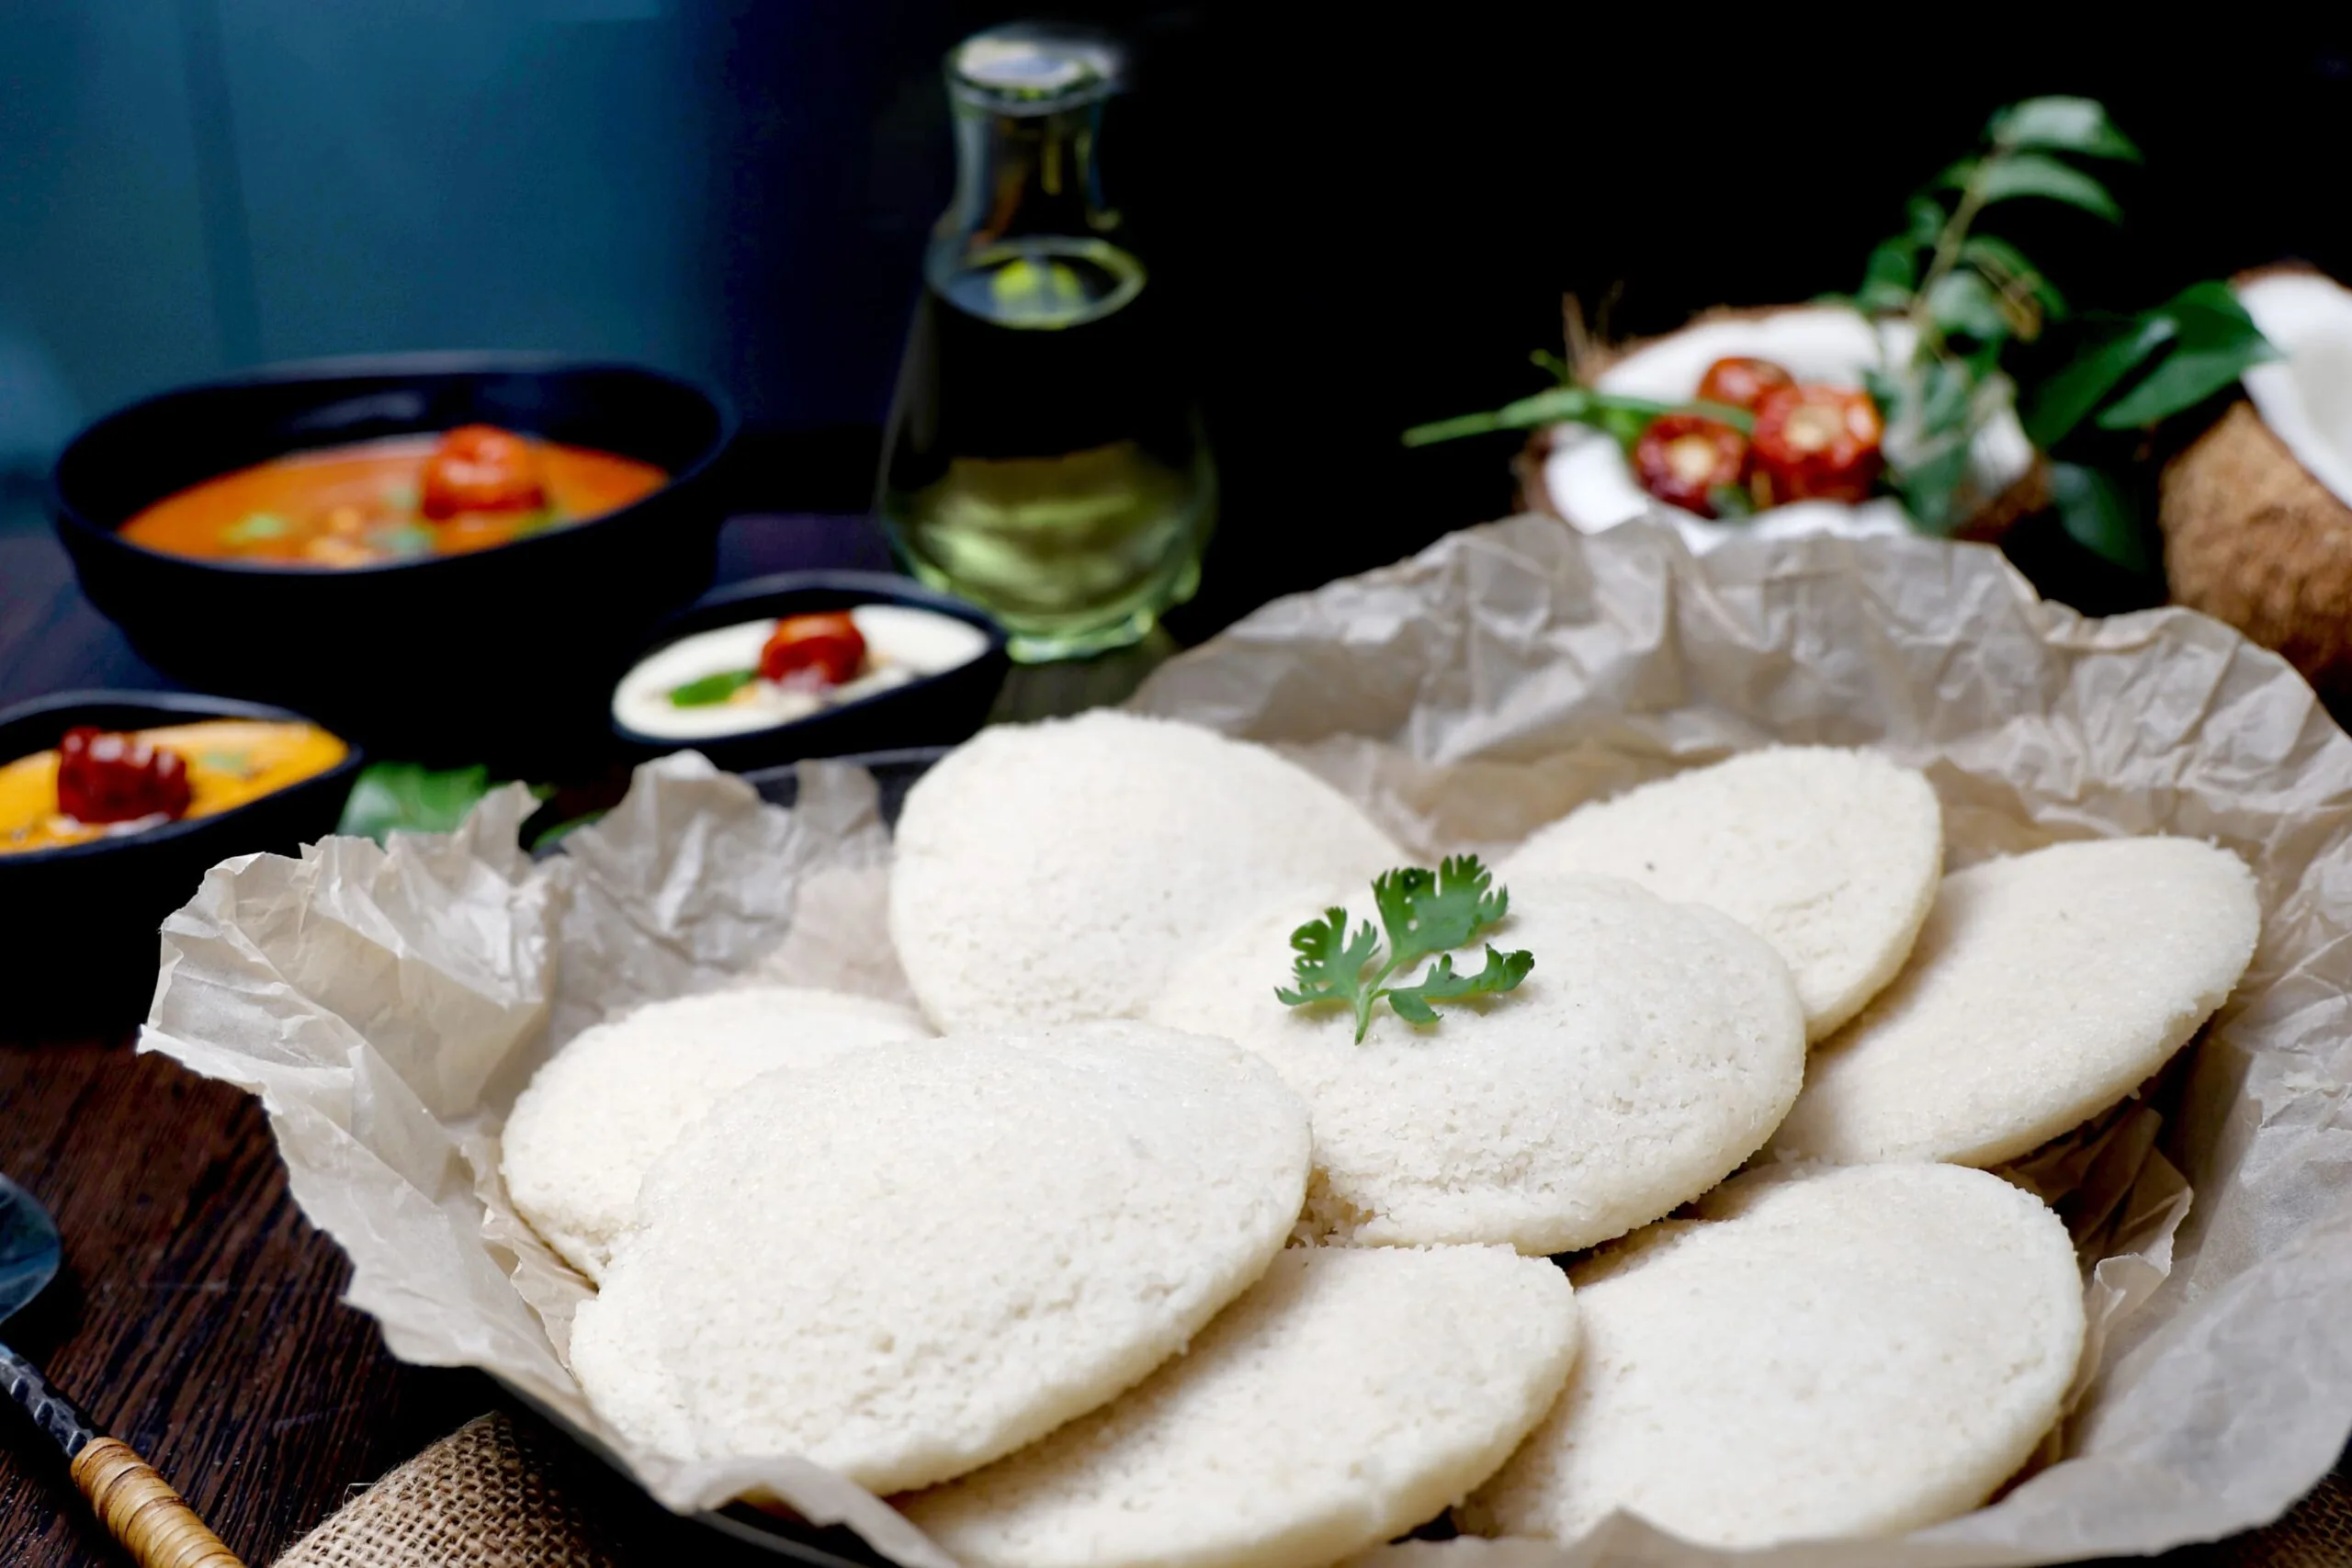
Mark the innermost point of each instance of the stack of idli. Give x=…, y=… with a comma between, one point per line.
x=1112, y=1258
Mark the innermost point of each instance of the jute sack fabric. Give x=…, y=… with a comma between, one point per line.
x=485, y=1496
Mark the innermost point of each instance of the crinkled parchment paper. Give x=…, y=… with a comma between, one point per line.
x=387, y=1005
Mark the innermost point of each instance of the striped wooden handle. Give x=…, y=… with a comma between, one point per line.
x=140, y=1510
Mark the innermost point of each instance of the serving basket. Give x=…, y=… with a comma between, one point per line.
x=1463, y=697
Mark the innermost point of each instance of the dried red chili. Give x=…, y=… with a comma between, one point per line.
x=1683, y=458
x=825, y=648
x=1816, y=444
x=1739, y=382
x=106, y=777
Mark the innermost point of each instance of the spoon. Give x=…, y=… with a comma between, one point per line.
x=139, y=1508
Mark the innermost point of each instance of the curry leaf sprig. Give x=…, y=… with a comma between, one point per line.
x=1423, y=913
x=1968, y=296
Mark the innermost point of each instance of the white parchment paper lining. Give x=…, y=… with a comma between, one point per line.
x=388, y=1004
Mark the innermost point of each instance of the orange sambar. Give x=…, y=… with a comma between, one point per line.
x=358, y=505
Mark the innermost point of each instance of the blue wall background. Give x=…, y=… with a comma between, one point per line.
x=738, y=192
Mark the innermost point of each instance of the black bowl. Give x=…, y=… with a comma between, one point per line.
x=935, y=710
x=503, y=655
x=82, y=945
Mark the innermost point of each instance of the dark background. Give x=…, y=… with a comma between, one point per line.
x=1369, y=219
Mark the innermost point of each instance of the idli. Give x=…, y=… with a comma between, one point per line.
x=601, y=1111
x=2045, y=988
x=1651, y=1050
x=1830, y=855
x=1844, y=1352
x=1049, y=872
x=1350, y=1395
x=921, y=1255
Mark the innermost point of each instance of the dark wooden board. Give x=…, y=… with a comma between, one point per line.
x=197, y=1316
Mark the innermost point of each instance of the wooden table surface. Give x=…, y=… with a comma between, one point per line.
x=198, y=1315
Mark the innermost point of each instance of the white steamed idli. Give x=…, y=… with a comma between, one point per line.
x=1350, y=1395
x=1830, y=855
x=1843, y=1352
x=1050, y=872
x=599, y=1113
x=2044, y=989
x=1651, y=1050
x=921, y=1255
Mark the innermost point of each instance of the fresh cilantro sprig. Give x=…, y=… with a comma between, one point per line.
x=1423, y=913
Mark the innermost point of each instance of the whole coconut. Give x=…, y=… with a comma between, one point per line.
x=2258, y=529
x=2253, y=539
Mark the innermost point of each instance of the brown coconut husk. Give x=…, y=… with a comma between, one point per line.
x=2253, y=539
x=1589, y=356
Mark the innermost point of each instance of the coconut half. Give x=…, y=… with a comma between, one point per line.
x=2306, y=396
x=2258, y=513
x=1580, y=475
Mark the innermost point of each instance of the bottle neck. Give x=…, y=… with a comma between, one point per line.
x=1023, y=176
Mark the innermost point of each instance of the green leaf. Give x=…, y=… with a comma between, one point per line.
x=2208, y=308
x=409, y=797
x=2181, y=379
x=1426, y=912
x=1926, y=218
x=1330, y=966
x=1963, y=305
x=2065, y=400
x=2030, y=174
x=1887, y=391
x=556, y=832
x=2096, y=516
x=1730, y=503
x=1544, y=359
x=1928, y=485
x=1503, y=971
x=711, y=689
x=1892, y=264
x=2062, y=125
x=1945, y=397
x=2006, y=268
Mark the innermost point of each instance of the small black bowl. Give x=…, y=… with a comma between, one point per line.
x=935, y=710
x=82, y=945
x=501, y=655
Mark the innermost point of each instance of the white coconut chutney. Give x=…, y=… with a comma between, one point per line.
x=902, y=644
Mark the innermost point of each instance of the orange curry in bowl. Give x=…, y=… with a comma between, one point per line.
x=104, y=784
x=400, y=499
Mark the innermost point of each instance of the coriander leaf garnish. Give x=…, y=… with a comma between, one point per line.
x=1503, y=971
x=1422, y=912
x=1329, y=967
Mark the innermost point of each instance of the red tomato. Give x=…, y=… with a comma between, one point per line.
x=1741, y=381
x=1817, y=443
x=822, y=650
x=1682, y=459
x=479, y=468
x=105, y=777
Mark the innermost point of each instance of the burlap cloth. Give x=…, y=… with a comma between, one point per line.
x=496, y=1495
x=490, y=1495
